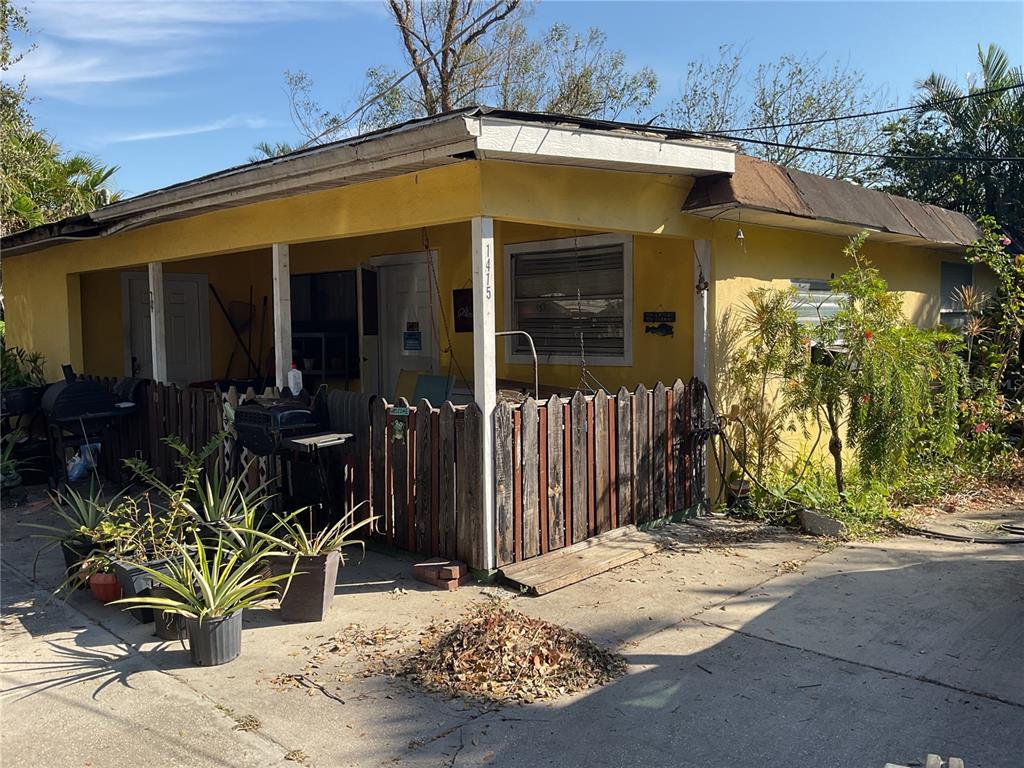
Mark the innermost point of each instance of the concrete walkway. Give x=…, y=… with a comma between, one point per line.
x=746, y=647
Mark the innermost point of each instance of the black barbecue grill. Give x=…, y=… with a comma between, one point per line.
x=262, y=423
x=81, y=411
x=294, y=429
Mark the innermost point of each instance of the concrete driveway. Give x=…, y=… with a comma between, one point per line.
x=746, y=645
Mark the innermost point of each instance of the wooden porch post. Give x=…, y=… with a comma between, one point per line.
x=157, y=330
x=485, y=383
x=282, y=314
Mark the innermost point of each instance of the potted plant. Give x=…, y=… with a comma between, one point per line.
x=103, y=583
x=221, y=502
x=209, y=591
x=146, y=538
x=310, y=563
x=23, y=378
x=78, y=531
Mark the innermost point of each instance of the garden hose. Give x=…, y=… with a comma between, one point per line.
x=965, y=537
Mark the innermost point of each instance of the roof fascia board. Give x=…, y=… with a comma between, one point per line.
x=434, y=140
x=769, y=217
x=507, y=139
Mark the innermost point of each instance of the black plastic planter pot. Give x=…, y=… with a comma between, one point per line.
x=75, y=551
x=168, y=625
x=135, y=582
x=309, y=595
x=214, y=641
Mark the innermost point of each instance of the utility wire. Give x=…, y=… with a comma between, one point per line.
x=926, y=105
x=874, y=155
x=398, y=81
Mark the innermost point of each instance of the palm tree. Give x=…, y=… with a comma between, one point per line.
x=976, y=121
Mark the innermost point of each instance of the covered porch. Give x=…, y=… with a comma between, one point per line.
x=457, y=441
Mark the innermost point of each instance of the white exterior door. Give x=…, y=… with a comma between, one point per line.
x=186, y=325
x=407, y=307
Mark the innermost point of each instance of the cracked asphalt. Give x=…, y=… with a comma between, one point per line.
x=745, y=646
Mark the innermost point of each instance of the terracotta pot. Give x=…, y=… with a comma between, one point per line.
x=105, y=587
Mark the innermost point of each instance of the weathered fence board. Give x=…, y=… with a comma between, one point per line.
x=530, y=493
x=556, y=465
x=624, y=463
x=504, y=503
x=578, y=421
x=446, y=482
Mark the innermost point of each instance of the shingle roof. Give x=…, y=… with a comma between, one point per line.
x=768, y=187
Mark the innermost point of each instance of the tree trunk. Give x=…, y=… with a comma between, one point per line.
x=835, y=446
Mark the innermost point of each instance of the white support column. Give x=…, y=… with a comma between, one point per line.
x=701, y=334
x=701, y=277
x=282, y=314
x=157, y=329
x=485, y=382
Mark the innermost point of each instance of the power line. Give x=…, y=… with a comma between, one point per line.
x=925, y=105
x=398, y=81
x=876, y=155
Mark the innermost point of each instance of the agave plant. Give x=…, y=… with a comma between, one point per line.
x=208, y=582
x=245, y=532
x=221, y=500
x=83, y=517
x=294, y=539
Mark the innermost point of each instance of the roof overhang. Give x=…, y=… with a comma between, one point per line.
x=771, y=195
x=471, y=134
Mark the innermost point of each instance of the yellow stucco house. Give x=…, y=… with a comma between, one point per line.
x=406, y=250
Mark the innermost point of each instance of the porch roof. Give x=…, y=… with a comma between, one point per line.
x=474, y=133
x=773, y=194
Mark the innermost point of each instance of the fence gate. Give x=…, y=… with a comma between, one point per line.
x=569, y=469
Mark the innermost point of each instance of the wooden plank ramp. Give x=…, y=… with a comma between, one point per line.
x=570, y=565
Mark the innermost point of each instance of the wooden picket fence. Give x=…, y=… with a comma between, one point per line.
x=194, y=415
x=569, y=469
x=424, y=466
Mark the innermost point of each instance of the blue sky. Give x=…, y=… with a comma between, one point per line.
x=171, y=90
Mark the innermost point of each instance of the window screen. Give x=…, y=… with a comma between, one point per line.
x=814, y=301
x=558, y=294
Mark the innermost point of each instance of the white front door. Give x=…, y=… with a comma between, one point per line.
x=407, y=306
x=186, y=325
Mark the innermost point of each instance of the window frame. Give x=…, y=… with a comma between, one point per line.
x=957, y=316
x=587, y=241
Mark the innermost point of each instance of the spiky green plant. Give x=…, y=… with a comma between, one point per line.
x=209, y=581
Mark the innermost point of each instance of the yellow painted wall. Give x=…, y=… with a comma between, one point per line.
x=662, y=281
x=341, y=228
x=39, y=289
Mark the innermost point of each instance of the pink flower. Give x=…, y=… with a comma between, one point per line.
x=981, y=426
x=1004, y=241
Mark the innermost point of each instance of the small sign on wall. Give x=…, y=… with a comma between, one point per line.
x=462, y=306
x=659, y=317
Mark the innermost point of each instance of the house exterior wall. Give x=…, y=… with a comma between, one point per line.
x=40, y=287
x=65, y=301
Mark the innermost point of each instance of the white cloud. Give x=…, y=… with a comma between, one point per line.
x=235, y=121
x=82, y=43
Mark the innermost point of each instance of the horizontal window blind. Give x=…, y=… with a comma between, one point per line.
x=558, y=294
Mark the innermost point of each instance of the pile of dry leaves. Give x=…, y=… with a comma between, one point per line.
x=497, y=653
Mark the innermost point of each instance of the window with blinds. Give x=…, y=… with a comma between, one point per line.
x=563, y=288
x=954, y=277
x=814, y=301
